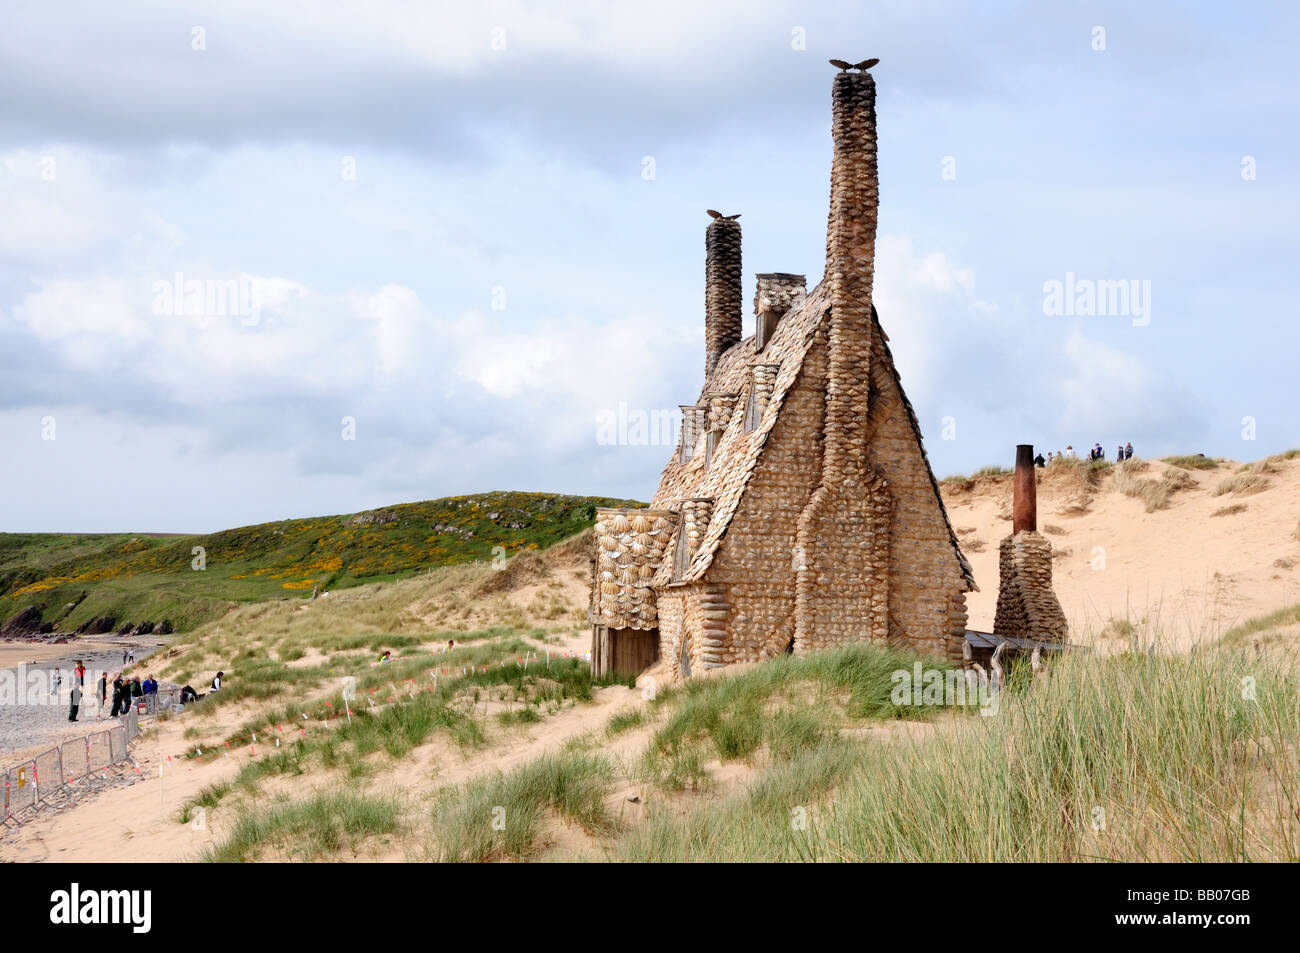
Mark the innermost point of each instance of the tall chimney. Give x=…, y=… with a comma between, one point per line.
x=850, y=264
x=722, y=278
x=1024, y=510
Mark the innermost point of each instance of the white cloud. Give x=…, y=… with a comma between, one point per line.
x=937, y=325
x=1101, y=385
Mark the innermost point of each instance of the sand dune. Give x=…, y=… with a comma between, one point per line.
x=1190, y=570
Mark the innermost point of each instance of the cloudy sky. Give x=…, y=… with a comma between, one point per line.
x=460, y=233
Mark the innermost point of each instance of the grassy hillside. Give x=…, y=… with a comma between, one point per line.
x=105, y=582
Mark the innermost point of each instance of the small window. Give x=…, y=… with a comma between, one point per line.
x=710, y=443
x=681, y=556
x=751, y=405
x=764, y=328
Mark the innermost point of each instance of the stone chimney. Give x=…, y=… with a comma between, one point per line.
x=842, y=540
x=850, y=265
x=723, y=308
x=1025, y=492
x=774, y=295
x=1027, y=605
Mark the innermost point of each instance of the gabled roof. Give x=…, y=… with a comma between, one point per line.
x=736, y=454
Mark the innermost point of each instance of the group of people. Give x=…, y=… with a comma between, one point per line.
x=126, y=691
x=1122, y=453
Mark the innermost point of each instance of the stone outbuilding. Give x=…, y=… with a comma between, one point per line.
x=799, y=510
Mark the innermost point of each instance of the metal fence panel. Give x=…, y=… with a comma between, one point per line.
x=49, y=778
x=116, y=744
x=101, y=753
x=73, y=754
x=20, y=783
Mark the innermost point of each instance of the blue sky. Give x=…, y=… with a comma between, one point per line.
x=499, y=271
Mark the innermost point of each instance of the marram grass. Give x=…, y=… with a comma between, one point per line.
x=1137, y=758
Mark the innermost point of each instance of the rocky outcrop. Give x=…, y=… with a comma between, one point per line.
x=98, y=626
x=375, y=518
x=23, y=622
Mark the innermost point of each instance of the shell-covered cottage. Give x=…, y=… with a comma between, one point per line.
x=799, y=510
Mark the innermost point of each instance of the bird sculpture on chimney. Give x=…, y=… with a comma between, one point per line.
x=864, y=65
x=725, y=218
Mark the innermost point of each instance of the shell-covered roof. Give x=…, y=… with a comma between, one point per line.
x=736, y=453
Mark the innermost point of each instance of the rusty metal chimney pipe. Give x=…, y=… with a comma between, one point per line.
x=1025, y=503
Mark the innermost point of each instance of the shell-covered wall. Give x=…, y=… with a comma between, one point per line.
x=630, y=545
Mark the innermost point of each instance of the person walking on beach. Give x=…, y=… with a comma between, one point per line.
x=103, y=692
x=76, y=702
x=130, y=653
x=80, y=672
x=124, y=656
x=56, y=681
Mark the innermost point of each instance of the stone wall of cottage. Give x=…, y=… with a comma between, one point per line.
x=684, y=616
x=756, y=563
x=896, y=579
